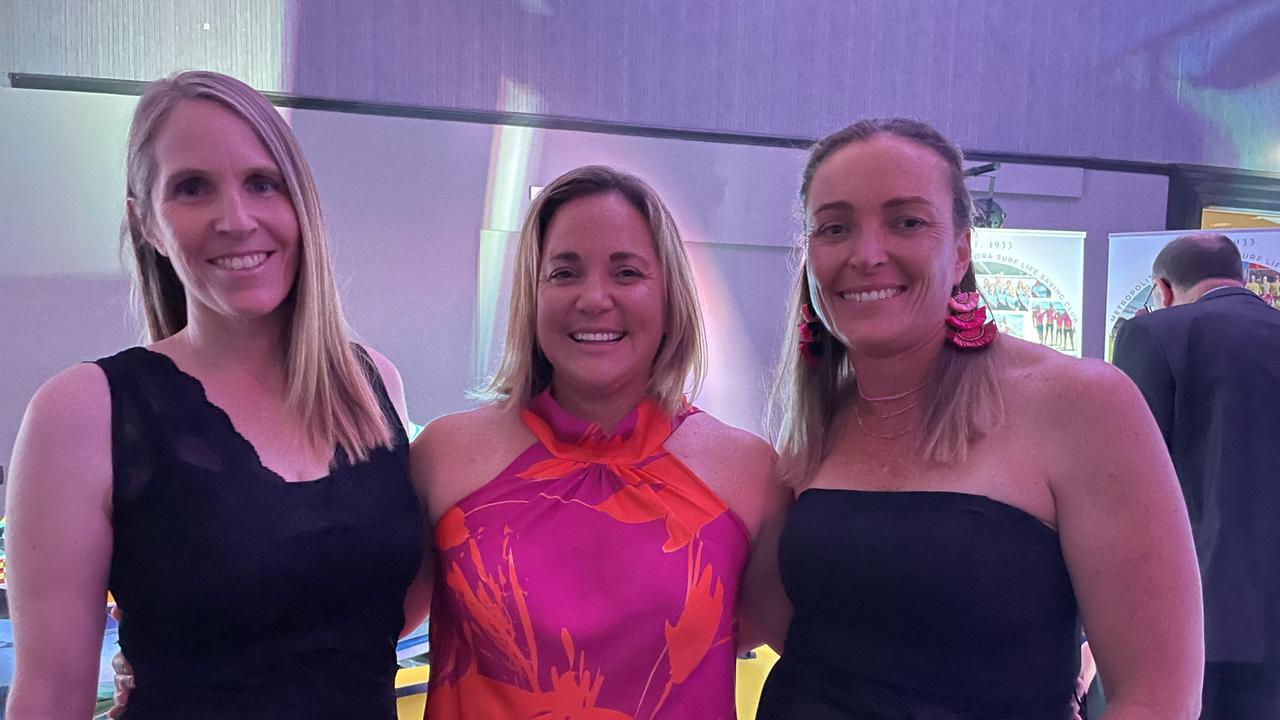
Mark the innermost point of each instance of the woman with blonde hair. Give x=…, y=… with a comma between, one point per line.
x=239, y=484
x=591, y=525
x=964, y=499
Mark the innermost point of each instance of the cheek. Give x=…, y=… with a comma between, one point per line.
x=935, y=265
x=542, y=324
x=819, y=270
x=946, y=274
x=173, y=230
x=546, y=314
x=653, y=304
x=181, y=254
x=822, y=262
x=285, y=225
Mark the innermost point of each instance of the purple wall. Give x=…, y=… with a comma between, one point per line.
x=1178, y=81
x=1194, y=81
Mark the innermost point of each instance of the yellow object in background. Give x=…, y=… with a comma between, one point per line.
x=411, y=692
x=750, y=680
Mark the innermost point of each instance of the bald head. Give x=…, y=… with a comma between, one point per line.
x=1195, y=263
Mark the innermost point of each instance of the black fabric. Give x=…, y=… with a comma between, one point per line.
x=1210, y=371
x=922, y=606
x=1241, y=691
x=245, y=596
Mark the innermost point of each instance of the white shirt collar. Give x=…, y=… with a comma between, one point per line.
x=1220, y=287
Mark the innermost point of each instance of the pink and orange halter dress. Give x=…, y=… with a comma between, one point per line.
x=595, y=578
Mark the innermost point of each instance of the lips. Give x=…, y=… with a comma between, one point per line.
x=241, y=261
x=861, y=296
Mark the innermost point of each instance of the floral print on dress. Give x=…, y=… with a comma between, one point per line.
x=595, y=578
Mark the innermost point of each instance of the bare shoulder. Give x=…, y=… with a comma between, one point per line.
x=1043, y=380
x=1087, y=417
x=735, y=464
x=392, y=381
x=77, y=398
x=1022, y=361
x=387, y=369
x=457, y=453
x=461, y=429
x=66, y=432
x=707, y=435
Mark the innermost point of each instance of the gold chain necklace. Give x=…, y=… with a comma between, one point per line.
x=899, y=396
x=857, y=416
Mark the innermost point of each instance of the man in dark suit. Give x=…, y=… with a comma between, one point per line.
x=1209, y=367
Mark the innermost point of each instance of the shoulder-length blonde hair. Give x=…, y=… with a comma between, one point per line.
x=680, y=364
x=327, y=390
x=963, y=401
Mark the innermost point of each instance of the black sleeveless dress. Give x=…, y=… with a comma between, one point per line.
x=922, y=606
x=245, y=596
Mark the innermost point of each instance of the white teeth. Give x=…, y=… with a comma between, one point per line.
x=596, y=337
x=871, y=295
x=241, y=262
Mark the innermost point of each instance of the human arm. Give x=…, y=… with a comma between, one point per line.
x=764, y=612
x=417, y=601
x=58, y=545
x=1127, y=543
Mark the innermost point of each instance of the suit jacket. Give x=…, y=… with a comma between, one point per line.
x=1210, y=371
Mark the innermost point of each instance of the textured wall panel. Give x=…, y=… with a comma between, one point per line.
x=143, y=40
x=1176, y=81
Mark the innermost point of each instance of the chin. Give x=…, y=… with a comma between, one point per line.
x=877, y=343
x=255, y=309
x=863, y=334
x=604, y=381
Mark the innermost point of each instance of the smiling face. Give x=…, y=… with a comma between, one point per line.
x=601, y=296
x=222, y=215
x=883, y=253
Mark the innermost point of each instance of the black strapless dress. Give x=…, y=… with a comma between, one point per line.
x=922, y=606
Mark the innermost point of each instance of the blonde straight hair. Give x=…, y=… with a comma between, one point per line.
x=680, y=364
x=962, y=403
x=326, y=388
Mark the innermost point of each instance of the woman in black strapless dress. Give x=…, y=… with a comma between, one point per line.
x=965, y=501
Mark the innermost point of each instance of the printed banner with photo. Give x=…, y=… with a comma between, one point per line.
x=1033, y=283
x=1129, y=261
